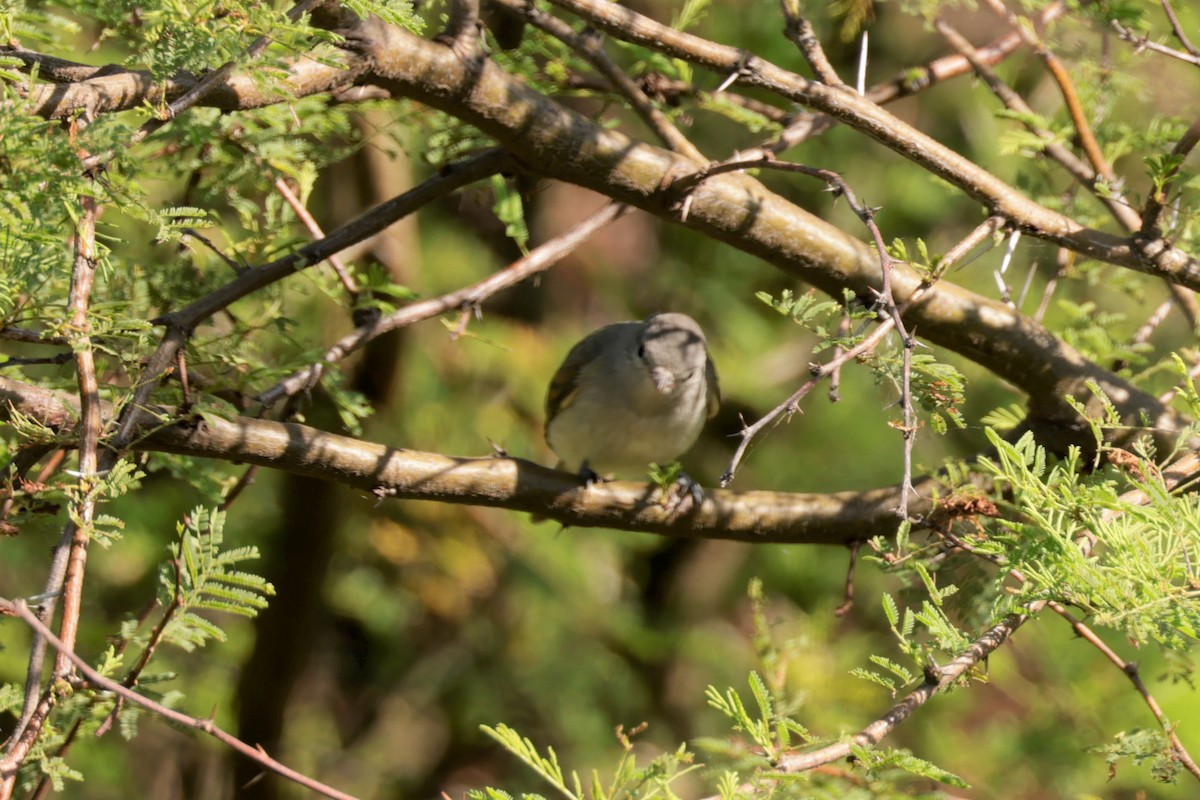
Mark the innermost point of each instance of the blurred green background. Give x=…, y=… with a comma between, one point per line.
x=399, y=628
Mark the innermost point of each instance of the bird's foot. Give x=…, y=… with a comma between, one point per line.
x=683, y=496
x=588, y=475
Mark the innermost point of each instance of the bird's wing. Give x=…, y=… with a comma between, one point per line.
x=564, y=386
x=713, y=395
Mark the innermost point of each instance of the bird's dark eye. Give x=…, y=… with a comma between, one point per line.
x=641, y=351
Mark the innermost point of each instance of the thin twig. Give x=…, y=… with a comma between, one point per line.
x=179, y=324
x=848, y=593
x=1083, y=129
x=1117, y=206
x=800, y=31
x=886, y=299
x=33, y=337
x=101, y=683
x=539, y=259
x=936, y=679
x=310, y=222
x=590, y=47
x=67, y=564
x=1131, y=671
x=1178, y=29
x=1146, y=43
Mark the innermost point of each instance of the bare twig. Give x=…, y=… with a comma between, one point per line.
x=1131, y=671
x=541, y=258
x=590, y=46
x=1083, y=128
x=886, y=300
x=179, y=324
x=33, y=337
x=1117, y=206
x=98, y=681
x=310, y=222
x=1178, y=29
x=1146, y=43
x=800, y=31
x=848, y=593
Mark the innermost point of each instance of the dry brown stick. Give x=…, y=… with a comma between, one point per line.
x=1131, y=671
x=1083, y=128
x=98, y=681
x=1081, y=171
x=539, y=259
x=310, y=222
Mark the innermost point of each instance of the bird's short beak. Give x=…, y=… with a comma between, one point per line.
x=664, y=381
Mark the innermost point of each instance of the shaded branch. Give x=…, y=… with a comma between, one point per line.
x=108, y=91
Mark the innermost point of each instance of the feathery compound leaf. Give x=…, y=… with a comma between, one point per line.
x=201, y=577
x=547, y=766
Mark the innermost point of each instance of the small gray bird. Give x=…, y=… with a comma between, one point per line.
x=630, y=394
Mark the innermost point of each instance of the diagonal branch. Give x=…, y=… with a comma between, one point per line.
x=540, y=259
x=997, y=197
x=256, y=754
x=939, y=678
x=739, y=210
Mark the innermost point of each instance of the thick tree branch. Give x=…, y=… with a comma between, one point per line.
x=499, y=482
x=108, y=90
x=740, y=211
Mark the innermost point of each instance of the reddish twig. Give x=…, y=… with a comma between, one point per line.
x=1130, y=669
x=98, y=681
x=310, y=222
x=1083, y=128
